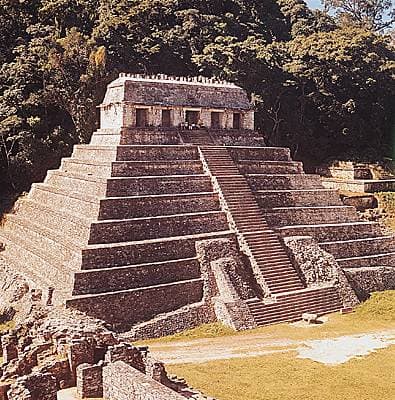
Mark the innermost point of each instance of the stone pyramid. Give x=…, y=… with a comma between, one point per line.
x=115, y=231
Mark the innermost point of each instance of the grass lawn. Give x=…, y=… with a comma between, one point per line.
x=283, y=375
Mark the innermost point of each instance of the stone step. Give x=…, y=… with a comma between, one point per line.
x=279, y=272
x=295, y=314
x=60, y=221
x=146, y=251
x=64, y=199
x=264, y=313
x=290, y=307
x=259, y=153
x=285, y=181
x=93, y=186
x=144, y=206
x=157, y=153
x=105, y=137
x=282, y=279
x=104, y=280
x=295, y=297
x=270, y=167
x=156, y=185
x=93, y=153
x=277, y=288
x=114, y=231
x=310, y=215
x=127, y=307
x=149, y=136
x=23, y=253
x=331, y=232
x=157, y=168
x=55, y=243
x=360, y=247
x=298, y=198
x=86, y=167
x=371, y=260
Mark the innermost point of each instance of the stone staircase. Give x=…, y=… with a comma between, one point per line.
x=271, y=264
x=196, y=136
x=289, y=306
x=294, y=203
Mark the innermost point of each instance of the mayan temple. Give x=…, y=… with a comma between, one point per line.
x=176, y=213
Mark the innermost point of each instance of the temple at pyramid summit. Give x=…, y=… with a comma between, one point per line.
x=177, y=214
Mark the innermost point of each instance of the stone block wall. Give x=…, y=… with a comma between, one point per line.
x=90, y=381
x=123, y=382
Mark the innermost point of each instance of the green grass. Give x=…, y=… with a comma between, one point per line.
x=282, y=376
x=285, y=377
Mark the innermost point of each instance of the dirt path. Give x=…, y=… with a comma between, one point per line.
x=329, y=351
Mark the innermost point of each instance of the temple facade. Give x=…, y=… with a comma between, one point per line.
x=175, y=103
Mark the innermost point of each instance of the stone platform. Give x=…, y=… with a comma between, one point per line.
x=185, y=226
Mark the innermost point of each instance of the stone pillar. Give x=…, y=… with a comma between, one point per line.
x=177, y=117
x=80, y=351
x=4, y=387
x=90, y=381
x=128, y=116
x=227, y=120
x=247, y=120
x=9, y=345
x=156, y=117
x=205, y=117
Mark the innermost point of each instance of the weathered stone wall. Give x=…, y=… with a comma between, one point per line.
x=90, y=381
x=123, y=382
x=187, y=317
x=126, y=308
x=317, y=267
x=227, y=281
x=36, y=386
x=171, y=92
x=371, y=279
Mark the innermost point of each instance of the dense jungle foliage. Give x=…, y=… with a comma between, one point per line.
x=322, y=87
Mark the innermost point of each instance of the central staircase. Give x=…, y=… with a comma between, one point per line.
x=288, y=297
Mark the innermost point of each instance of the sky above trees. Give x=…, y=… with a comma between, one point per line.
x=314, y=3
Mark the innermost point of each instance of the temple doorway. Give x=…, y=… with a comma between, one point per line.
x=141, y=117
x=192, y=117
x=166, y=118
x=215, y=119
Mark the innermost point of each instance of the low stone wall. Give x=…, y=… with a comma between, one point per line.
x=140, y=186
x=261, y=153
x=146, y=252
x=187, y=317
x=124, y=278
x=123, y=382
x=36, y=386
x=317, y=267
x=122, y=309
x=157, y=153
x=135, y=207
x=153, y=228
x=371, y=279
